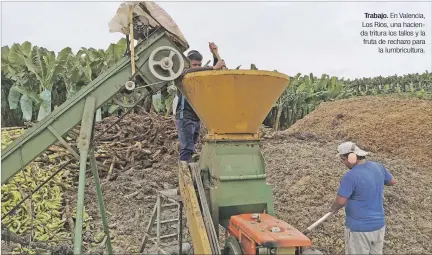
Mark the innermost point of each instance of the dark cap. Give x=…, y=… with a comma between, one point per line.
x=194, y=55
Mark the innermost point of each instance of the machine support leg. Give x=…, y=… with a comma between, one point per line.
x=83, y=145
x=80, y=203
x=101, y=201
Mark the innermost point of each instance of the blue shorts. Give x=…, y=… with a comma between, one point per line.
x=188, y=133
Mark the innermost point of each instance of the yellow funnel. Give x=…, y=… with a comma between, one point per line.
x=233, y=101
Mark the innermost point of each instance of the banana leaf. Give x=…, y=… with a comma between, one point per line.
x=4, y=58
x=115, y=52
x=31, y=94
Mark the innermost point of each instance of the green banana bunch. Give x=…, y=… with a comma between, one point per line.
x=99, y=237
x=23, y=250
x=46, y=204
x=86, y=218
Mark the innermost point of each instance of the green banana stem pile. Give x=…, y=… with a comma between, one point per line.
x=43, y=214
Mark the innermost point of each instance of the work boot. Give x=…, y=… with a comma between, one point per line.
x=195, y=157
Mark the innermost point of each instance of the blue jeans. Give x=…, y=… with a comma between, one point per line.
x=188, y=133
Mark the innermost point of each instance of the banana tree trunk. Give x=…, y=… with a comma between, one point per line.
x=9, y=118
x=278, y=116
x=293, y=114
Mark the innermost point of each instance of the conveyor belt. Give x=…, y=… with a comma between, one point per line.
x=50, y=130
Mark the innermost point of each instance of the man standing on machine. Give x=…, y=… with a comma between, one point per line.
x=187, y=121
x=361, y=191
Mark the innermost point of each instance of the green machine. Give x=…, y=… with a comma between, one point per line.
x=231, y=161
x=230, y=177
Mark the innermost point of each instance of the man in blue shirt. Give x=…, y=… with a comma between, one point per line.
x=361, y=192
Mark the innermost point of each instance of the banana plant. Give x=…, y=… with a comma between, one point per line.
x=95, y=62
x=112, y=55
x=75, y=74
x=46, y=67
x=9, y=117
x=115, y=52
x=95, y=59
x=25, y=88
x=33, y=74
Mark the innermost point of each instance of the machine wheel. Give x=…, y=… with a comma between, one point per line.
x=232, y=246
x=129, y=96
x=127, y=100
x=166, y=63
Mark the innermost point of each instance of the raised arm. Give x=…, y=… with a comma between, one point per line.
x=215, y=60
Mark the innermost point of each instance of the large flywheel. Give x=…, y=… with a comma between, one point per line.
x=166, y=67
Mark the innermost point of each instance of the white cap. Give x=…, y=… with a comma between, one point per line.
x=348, y=147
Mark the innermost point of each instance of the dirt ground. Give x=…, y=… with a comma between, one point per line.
x=305, y=177
x=300, y=164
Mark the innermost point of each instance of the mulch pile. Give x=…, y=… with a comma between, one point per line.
x=138, y=141
x=401, y=127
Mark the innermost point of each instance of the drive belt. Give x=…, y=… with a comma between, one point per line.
x=208, y=222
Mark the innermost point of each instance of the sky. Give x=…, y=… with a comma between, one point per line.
x=291, y=37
